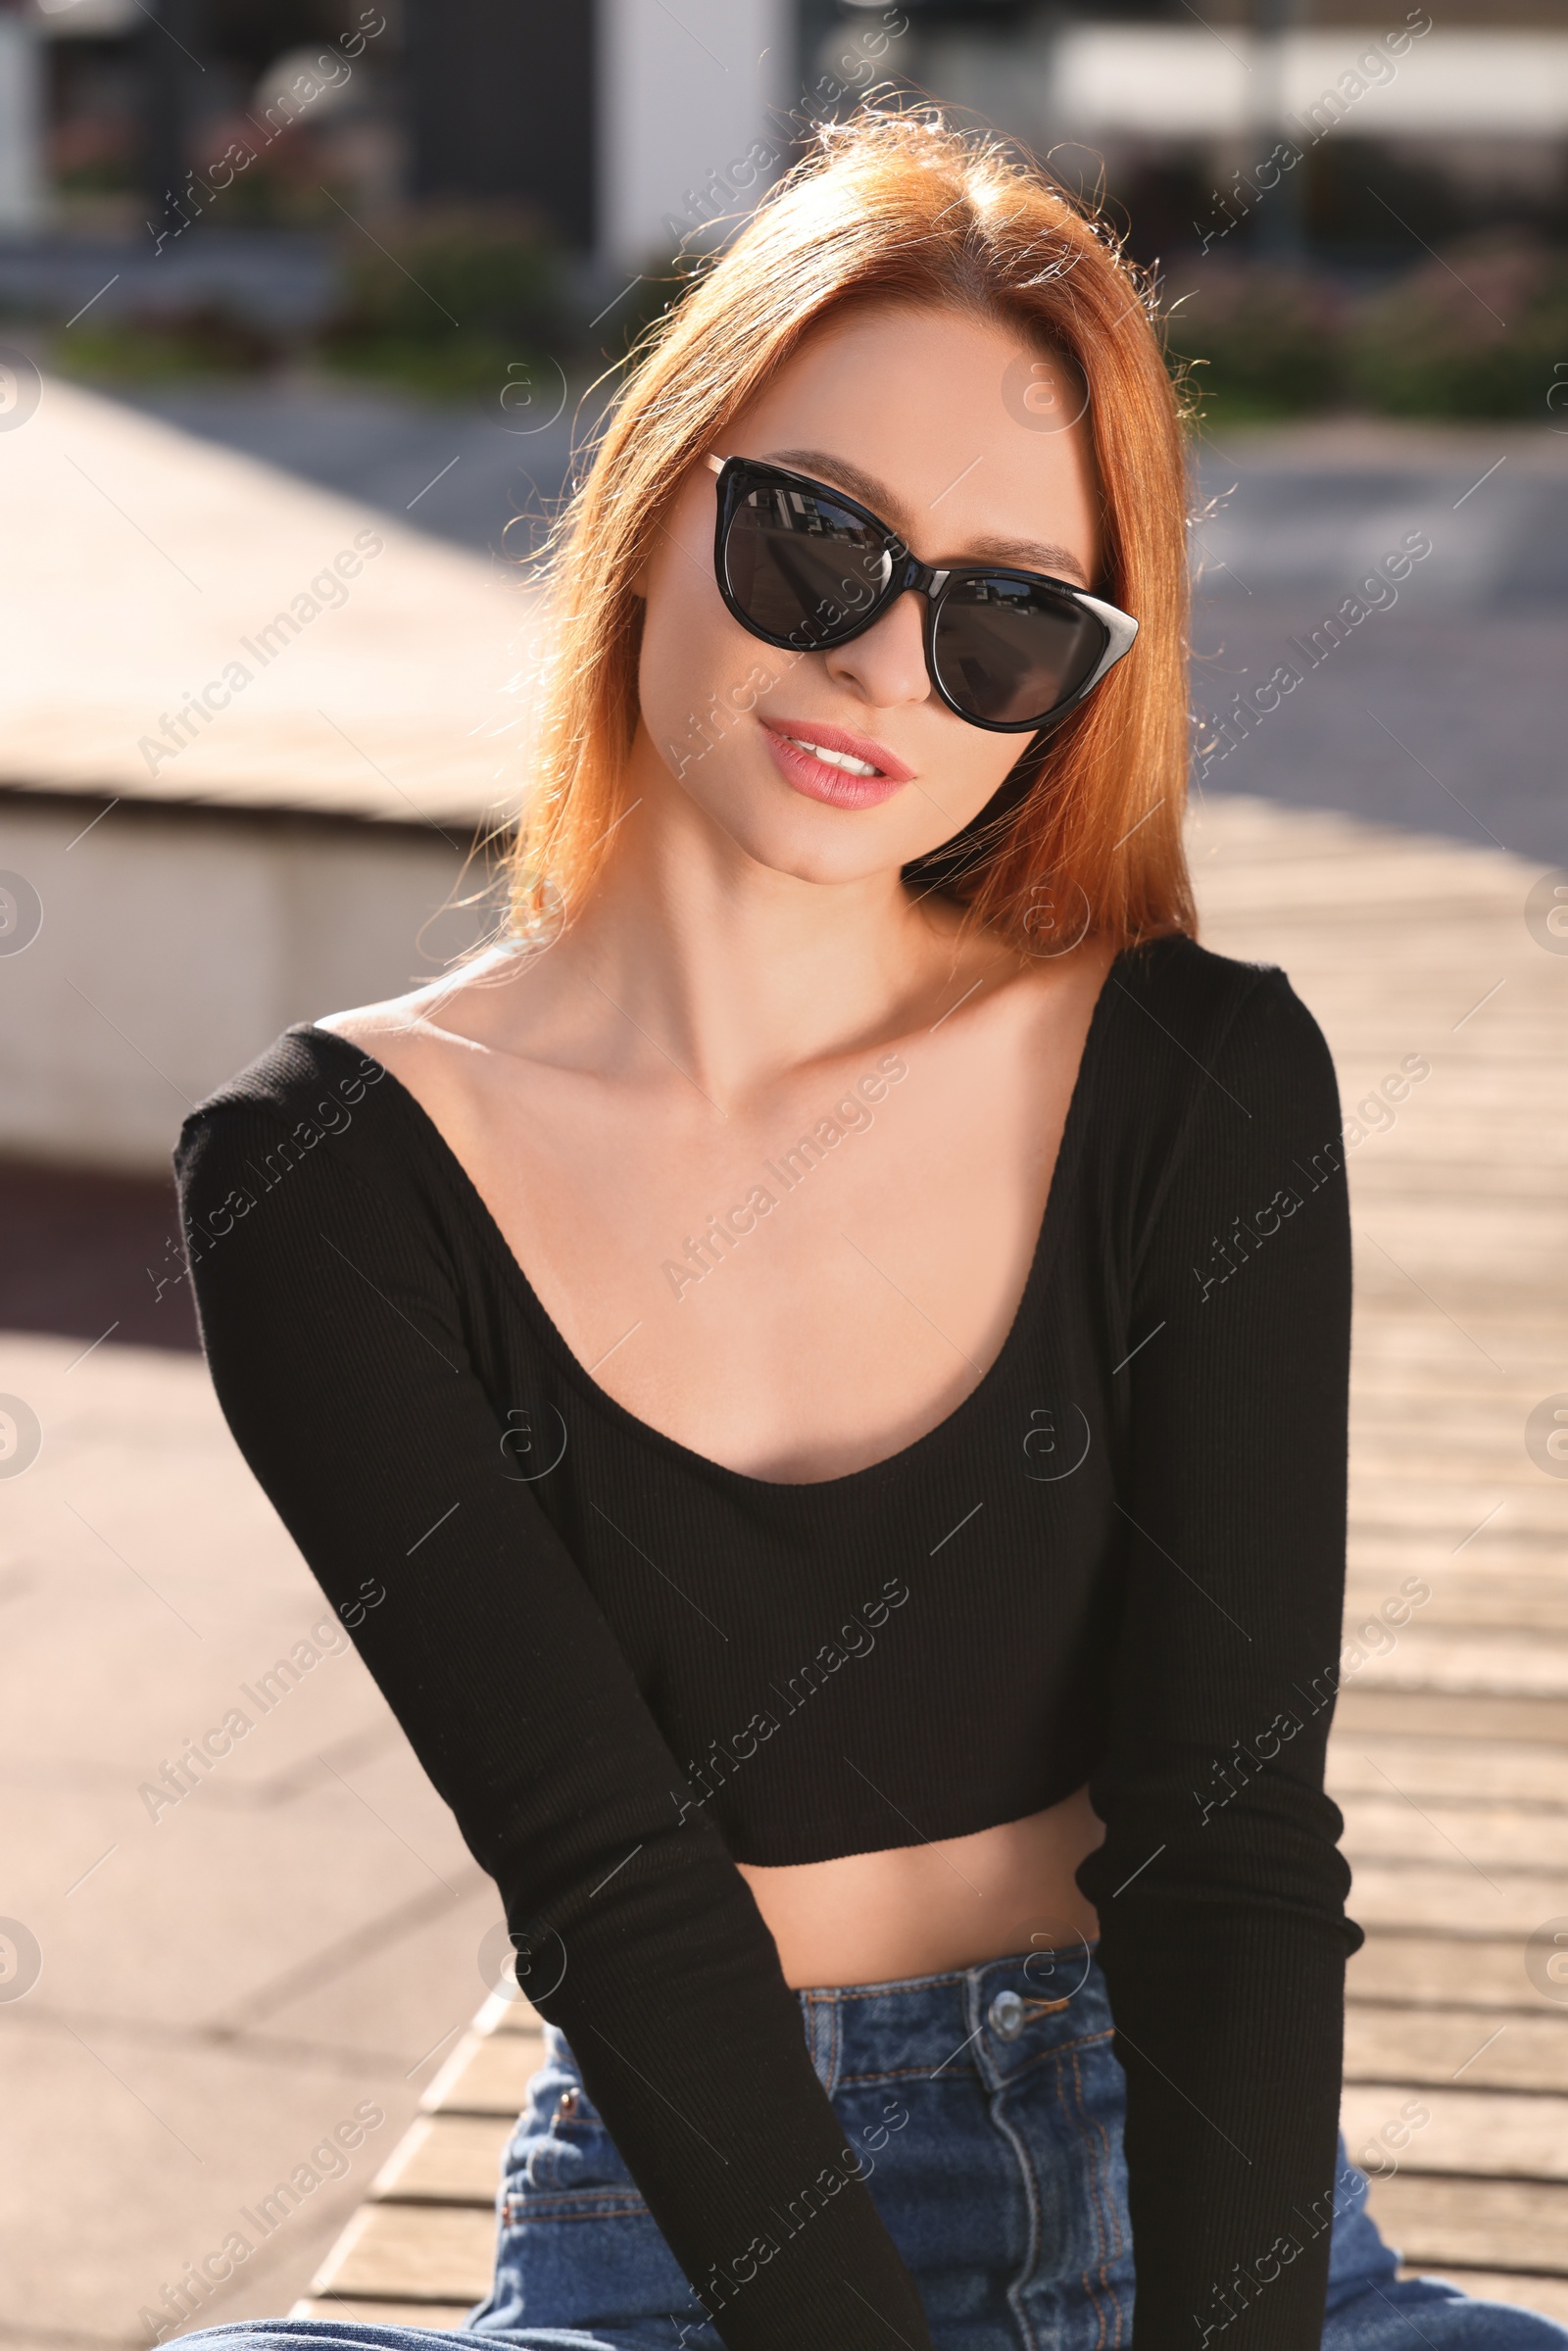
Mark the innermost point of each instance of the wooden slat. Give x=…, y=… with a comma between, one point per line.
x=1396, y=1382
x=1504, y=1606
x=1443, y=1971
x=1436, y=1714
x=1440, y=1463
x=1395, y=1825
x=1525, y=1562
x=446, y=2159
x=1524, y=1573
x=1442, y=2045
x=489, y=2075
x=1511, y=1771
x=1470, y=2134
x=1484, y=2223
x=413, y=2253
x=1448, y=1514
x=1500, y=1902
x=1462, y=1662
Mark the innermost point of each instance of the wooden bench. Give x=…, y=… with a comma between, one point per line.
x=421, y=2249
x=1449, y=1754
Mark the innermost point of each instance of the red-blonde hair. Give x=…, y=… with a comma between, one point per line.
x=899, y=207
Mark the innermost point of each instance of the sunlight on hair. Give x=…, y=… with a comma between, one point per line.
x=894, y=205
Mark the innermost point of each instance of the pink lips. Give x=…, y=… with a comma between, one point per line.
x=786, y=740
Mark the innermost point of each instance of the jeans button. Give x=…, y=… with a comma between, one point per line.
x=1005, y=2016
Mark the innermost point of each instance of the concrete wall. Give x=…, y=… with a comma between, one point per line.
x=175, y=944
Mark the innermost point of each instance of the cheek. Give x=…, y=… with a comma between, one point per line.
x=703, y=683
x=697, y=664
x=973, y=768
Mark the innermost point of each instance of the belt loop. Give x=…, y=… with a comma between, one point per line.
x=824, y=2036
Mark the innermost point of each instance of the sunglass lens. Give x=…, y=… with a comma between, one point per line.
x=801, y=566
x=1010, y=652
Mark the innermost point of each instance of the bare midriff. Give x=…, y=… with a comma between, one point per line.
x=924, y=1909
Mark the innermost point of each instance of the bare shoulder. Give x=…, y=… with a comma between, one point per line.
x=1047, y=994
x=380, y=1028
x=456, y=1011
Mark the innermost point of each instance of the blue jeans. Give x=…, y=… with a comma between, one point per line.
x=988, y=2106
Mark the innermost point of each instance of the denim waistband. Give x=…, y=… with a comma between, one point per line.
x=992, y=2020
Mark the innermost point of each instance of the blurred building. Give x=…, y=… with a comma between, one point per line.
x=1457, y=110
x=626, y=124
x=610, y=122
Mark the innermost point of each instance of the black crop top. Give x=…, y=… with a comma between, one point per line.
x=1119, y=1561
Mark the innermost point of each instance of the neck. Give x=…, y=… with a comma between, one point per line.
x=690, y=953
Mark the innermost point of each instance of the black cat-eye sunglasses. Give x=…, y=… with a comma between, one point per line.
x=805, y=565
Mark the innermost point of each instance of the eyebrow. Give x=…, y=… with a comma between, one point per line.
x=1032, y=554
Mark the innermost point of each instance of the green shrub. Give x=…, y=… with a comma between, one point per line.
x=1475, y=334
x=153, y=348
x=1483, y=331
x=457, y=368
x=489, y=275
x=1259, y=341
x=457, y=297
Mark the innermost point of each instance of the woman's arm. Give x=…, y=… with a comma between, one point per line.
x=329, y=1318
x=1219, y=1888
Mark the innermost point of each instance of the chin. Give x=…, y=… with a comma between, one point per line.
x=786, y=833
x=808, y=852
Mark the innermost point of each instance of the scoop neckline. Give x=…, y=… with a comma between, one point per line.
x=1063, y=1177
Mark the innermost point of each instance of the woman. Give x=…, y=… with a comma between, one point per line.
x=769, y=1366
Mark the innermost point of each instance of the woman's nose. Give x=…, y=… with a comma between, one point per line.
x=886, y=665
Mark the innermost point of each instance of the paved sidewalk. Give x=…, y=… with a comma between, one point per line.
x=348, y=663
x=229, y=1976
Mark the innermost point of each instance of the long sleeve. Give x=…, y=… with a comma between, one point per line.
x=331, y=1319
x=1219, y=1887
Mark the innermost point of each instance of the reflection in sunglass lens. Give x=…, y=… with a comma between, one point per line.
x=799, y=566
x=1010, y=652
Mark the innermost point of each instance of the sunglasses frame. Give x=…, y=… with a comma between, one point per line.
x=907, y=572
